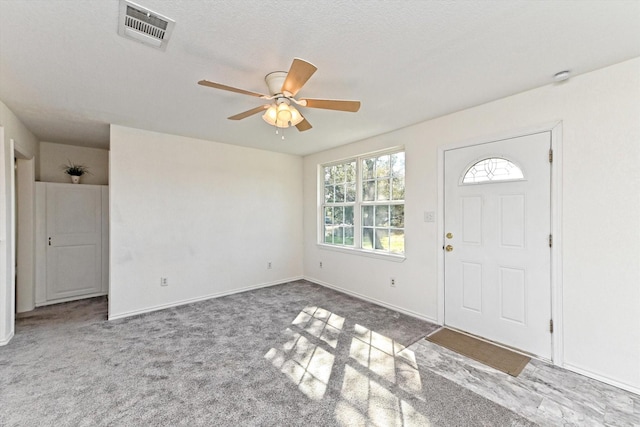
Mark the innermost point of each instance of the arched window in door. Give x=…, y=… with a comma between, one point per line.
x=492, y=169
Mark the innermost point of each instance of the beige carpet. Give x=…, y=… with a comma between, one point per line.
x=499, y=358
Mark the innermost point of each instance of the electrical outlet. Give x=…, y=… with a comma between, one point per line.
x=269, y=265
x=320, y=264
x=164, y=281
x=429, y=217
x=392, y=282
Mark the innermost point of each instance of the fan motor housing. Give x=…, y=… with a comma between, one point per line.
x=274, y=81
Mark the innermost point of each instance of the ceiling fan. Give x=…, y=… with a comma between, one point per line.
x=283, y=87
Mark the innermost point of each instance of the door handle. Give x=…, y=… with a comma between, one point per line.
x=49, y=241
x=448, y=248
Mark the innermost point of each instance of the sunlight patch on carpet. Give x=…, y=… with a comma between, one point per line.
x=376, y=365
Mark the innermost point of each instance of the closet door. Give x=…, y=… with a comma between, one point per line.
x=74, y=240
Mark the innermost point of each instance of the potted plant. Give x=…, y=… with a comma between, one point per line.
x=75, y=171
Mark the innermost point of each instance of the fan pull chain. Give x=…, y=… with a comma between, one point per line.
x=278, y=133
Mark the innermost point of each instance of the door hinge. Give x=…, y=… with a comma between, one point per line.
x=550, y=155
x=551, y=325
x=550, y=240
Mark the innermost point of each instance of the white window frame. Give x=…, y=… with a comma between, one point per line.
x=357, y=209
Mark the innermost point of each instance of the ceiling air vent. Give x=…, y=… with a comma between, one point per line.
x=143, y=25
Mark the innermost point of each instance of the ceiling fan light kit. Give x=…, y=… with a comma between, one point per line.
x=282, y=116
x=283, y=87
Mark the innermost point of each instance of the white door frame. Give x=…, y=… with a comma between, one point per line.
x=9, y=149
x=7, y=239
x=556, y=224
x=25, y=232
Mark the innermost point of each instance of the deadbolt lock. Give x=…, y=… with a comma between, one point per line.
x=449, y=236
x=448, y=248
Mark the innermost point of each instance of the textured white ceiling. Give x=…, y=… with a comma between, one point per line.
x=66, y=73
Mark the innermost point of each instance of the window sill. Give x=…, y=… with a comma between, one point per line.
x=363, y=252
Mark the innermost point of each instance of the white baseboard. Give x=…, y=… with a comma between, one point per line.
x=201, y=298
x=6, y=340
x=373, y=300
x=76, y=298
x=602, y=378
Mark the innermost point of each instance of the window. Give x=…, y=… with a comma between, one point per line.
x=339, y=201
x=492, y=169
x=363, y=205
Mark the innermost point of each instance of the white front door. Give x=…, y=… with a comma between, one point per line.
x=497, y=227
x=74, y=240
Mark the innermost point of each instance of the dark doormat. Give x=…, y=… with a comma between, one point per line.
x=499, y=358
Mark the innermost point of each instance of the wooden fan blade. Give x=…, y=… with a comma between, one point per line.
x=298, y=74
x=304, y=125
x=248, y=113
x=332, y=104
x=229, y=88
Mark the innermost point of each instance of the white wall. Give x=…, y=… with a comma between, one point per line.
x=53, y=156
x=600, y=113
x=207, y=216
x=26, y=144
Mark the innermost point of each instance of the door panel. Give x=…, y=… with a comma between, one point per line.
x=472, y=286
x=74, y=247
x=512, y=221
x=497, y=272
x=513, y=294
x=472, y=220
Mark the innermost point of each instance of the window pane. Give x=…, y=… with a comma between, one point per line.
x=368, y=167
x=367, y=216
x=397, y=241
x=328, y=235
x=338, y=235
x=382, y=216
x=328, y=216
x=382, y=239
x=350, y=196
x=383, y=166
x=338, y=215
x=340, y=174
x=327, y=175
x=351, y=172
x=397, y=216
x=332, y=173
x=328, y=193
x=348, y=215
x=367, y=238
x=338, y=193
x=397, y=164
x=348, y=236
x=398, y=189
x=368, y=191
x=383, y=190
